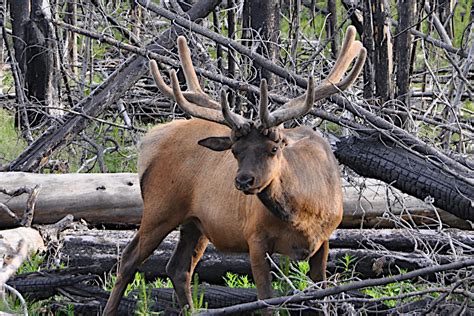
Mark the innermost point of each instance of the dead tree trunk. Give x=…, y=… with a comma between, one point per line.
x=408, y=172
x=406, y=11
x=261, y=19
x=70, y=38
x=35, y=48
x=98, y=251
x=331, y=28
x=383, y=50
x=368, y=41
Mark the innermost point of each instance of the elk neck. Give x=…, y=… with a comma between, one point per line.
x=277, y=196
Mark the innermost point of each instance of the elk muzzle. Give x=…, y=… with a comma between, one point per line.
x=244, y=182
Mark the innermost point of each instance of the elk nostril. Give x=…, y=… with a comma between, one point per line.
x=244, y=182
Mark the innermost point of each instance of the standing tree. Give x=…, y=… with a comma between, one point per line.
x=261, y=22
x=35, y=47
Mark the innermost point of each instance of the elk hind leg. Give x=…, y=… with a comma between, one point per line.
x=318, y=263
x=137, y=251
x=191, y=245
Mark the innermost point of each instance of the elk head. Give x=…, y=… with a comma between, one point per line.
x=257, y=146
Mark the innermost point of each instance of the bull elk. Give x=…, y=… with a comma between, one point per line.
x=284, y=197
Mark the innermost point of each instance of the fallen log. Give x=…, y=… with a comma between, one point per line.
x=409, y=172
x=10, y=240
x=101, y=249
x=15, y=247
x=114, y=199
x=96, y=198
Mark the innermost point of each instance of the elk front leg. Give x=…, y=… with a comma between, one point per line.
x=318, y=262
x=260, y=269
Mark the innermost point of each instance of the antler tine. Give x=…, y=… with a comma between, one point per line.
x=264, y=114
x=160, y=83
x=332, y=84
x=302, y=105
x=349, y=50
x=193, y=109
x=187, y=64
x=195, y=102
x=234, y=121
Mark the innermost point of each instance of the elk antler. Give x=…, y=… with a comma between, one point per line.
x=194, y=101
x=332, y=84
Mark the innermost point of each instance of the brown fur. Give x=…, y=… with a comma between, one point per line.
x=189, y=185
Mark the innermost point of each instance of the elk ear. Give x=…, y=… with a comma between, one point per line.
x=293, y=139
x=216, y=143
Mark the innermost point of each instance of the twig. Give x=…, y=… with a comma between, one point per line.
x=30, y=208
x=30, y=204
x=306, y=296
x=10, y=213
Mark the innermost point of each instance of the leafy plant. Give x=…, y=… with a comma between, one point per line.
x=395, y=289
x=234, y=280
x=32, y=264
x=198, y=294
x=144, y=300
x=295, y=272
x=346, y=263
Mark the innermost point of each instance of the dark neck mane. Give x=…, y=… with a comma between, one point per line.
x=278, y=204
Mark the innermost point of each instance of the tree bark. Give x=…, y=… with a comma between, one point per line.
x=70, y=38
x=262, y=18
x=35, y=48
x=331, y=28
x=368, y=42
x=406, y=11
x=114, y=199
x=410, y=173
x=383, y=50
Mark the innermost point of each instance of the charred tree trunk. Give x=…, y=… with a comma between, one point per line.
x=331, y=28
x=35, y=47
x=406, y=11
x=97, y=251
x=409, y=173
x=368, y=42
x=262, y=18
x=383, y=50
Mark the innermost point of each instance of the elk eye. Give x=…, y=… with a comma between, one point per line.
x=274, y=149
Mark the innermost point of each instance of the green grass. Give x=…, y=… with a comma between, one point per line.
x=395, y=289
x=11, y=143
